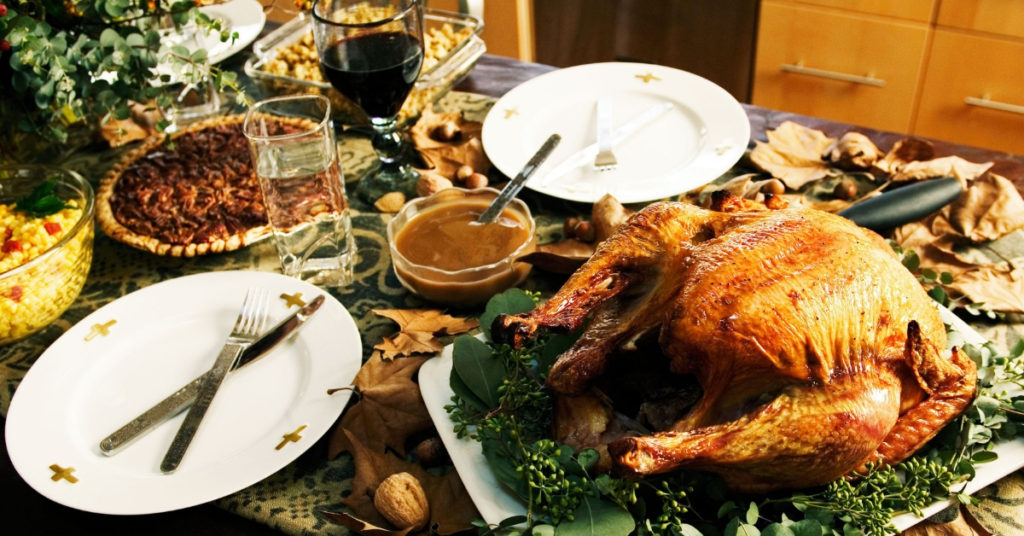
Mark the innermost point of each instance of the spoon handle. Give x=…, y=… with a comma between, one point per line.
x=512, y=188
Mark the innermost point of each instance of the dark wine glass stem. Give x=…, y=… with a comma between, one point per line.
x=387, y=141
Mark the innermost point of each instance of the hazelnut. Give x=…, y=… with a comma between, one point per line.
x=464, y=172
x=401, y=500
x=390, y=202
x=476, y=180
x=431, y=452
x=569, y=226
x=773, y=186
x=430, y=183
x=585, y=231
x=846, y=190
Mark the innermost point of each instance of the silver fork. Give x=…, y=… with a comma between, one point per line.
x=605, y=159
x=248, y=326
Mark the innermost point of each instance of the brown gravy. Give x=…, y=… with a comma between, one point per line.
x=447, y=236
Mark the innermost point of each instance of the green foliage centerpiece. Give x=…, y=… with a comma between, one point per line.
x=65, y=63
x=501, y=401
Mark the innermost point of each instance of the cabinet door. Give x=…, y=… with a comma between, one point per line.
x=997, y=16
x=973, y=92
x=857, y=69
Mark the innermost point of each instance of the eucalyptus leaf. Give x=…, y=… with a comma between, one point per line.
x=478, y=367
x=595, y=517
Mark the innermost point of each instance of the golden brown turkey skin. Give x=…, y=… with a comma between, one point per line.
x=816, y=349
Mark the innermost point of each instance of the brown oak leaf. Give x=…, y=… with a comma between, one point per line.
x=389, y=409
x=451, y=509
x=793, y=154
x=427, y=320
x=407, y=343
x=447, y=141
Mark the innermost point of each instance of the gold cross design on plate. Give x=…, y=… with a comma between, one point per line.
x=647, y=77
x=511, y=112
x=292, y=437
x=293, y=299
x=100, y=329
x=63, y=473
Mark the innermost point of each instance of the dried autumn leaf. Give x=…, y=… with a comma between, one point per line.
x=793, y=154
x=427, y=320
x=853, y=150
x=956, y=238
x=451, y=509
x=562, y=257
x=446, y=156
x=948, y=166
x=904, y=151
x=389, y=409
x=407, y=343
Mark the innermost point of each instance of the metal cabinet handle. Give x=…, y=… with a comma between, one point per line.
x=985, y=102
x=832, y=75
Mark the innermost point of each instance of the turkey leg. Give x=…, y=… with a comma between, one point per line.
x=807, y=435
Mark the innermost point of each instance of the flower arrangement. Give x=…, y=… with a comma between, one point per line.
x=72, y=62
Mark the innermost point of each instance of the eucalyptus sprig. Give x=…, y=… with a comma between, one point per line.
x=501, y=401
x=63, y=62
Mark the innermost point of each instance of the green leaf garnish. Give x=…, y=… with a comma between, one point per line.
x=42, y=201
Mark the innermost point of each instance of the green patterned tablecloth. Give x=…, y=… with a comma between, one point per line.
x=292, y=499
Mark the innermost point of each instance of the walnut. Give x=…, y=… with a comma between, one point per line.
x=401, y=500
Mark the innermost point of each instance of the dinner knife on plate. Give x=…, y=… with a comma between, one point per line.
x=181, y=399
x=586, y=155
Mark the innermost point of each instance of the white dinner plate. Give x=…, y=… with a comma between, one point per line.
x=243, y=16
x=495, y=503
x=87, y=384
x=700, y=138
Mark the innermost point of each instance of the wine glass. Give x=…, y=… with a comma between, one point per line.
x=371, y=51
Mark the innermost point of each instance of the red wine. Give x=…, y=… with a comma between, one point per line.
x=377, y=71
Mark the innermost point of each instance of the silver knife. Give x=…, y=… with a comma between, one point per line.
x=186, y=395
x=586, y=155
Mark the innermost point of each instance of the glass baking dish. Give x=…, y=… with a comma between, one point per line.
x=432, y=84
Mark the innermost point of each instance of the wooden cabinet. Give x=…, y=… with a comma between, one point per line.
x=946, y=69
x=838, y=65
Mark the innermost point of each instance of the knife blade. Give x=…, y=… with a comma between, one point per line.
x=181, y=399
x=586, y=155
x=903, y=205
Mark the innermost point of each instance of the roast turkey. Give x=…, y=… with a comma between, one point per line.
x=816, y=350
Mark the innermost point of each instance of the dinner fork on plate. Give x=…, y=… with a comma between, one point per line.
x=248, y=326
x=605, y=159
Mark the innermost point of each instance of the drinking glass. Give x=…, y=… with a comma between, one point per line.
x=371, y=51
x=296, y=160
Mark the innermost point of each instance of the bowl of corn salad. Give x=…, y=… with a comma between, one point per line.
x=46, y=235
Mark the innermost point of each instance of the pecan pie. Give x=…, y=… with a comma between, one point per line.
x=197, y=195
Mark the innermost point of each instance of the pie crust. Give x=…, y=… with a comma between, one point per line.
x=196, y=196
